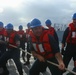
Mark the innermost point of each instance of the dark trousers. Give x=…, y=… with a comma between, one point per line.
x=5, y=70
x=23, y=53
x=70, y=52
x=4, y=67
x=12, y=54
x=28, y=50
x=38, y=66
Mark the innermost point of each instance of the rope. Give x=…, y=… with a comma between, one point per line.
x=65, y=68
x=47, y=60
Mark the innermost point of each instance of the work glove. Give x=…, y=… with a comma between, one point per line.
x=62, y=51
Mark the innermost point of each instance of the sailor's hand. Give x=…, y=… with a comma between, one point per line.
x=61, y=66
x=41, y=58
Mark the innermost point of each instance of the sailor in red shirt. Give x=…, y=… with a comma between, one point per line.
x=22, y=35
x=52, y=30
x=69, y=44
x=3, y=48
x=11, y=37
x=44, y=47
x=53, y=33
x=28, y=32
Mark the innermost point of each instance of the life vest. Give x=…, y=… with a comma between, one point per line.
x=52, y=30
x=10, y=38
x=2, y=34
x=28, y=32
x=42, y=46
x=20, y=33
x=71, y=38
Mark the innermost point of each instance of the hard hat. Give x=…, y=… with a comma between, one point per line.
x=48, y=22
x=1, y=24
x=28, y=24
x=9, y=26
x=74, y=16
x=35, y=22
x=20, y=27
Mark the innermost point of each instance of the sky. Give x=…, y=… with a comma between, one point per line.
x=20, y=12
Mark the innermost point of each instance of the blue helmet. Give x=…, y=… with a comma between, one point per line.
x=48, y=22
x=9, y=26
x=35, y=22
x=1, y=24
x=20, y=27
x=28, y=24
x=74, y=16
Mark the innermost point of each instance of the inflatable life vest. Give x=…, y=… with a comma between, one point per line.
x=71, y=38
x=2, y=34
x=28, y=33
x=42, y=46
x=10, y=38
x=52, y=30
x=20, y=33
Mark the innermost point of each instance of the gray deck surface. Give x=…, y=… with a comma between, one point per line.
x=13, y=71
